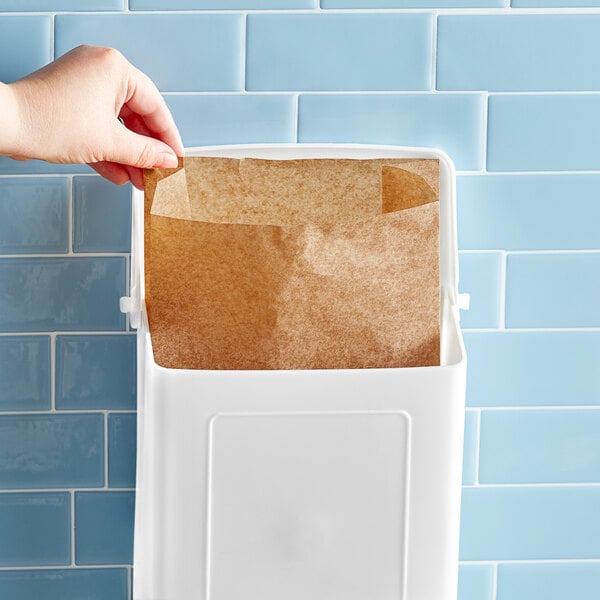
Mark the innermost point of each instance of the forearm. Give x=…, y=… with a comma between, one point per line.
x=10, y=121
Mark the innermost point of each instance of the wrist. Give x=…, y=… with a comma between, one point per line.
x=11, y=121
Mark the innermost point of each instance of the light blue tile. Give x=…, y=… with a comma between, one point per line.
x=64, y=584
x=553, y=290
x=51, y=451
x=232, y=119
x=339, y=52
x=451, y=122
x=528, y=212
x=49, y=294
x=518, y=52
x=369, y=4
x=530, y=523
x=554, y=581
x=95, y=371
x=24, y=372
x=533, y=368
x=8, y=166
x=540, y=446
x=470, y=448
x=544, y=132
x=121, y=450
x=34, y=215
x=553, y=3
x=220, y=4
x=475, y=582
x=56, y=5
x=197, y=52
x=481, y=277
x=101, y=216
x=34, y=529
x=104, y=528
x=26, y=40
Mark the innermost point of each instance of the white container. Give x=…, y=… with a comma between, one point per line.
x=301, y=485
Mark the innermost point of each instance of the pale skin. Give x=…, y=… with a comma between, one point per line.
x=90, y=106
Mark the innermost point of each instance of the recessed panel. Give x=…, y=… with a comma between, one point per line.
x=307, y=506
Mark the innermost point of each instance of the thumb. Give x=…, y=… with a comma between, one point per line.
x=140, y=151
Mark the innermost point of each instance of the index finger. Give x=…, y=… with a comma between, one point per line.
x=144, y=99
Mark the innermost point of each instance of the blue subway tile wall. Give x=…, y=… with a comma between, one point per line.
x=48, y=294
x=101, y=216
x=520, y=212
x=213, y=64
x=63, y=584
x=104, y=528
x=234, y=119
x=35, y=529
x=543, y=132
x=533, y=368
x=511, y=94
x=95, y=372
x=24, y=45
x=481, y=273
x=452, y=122
x=555, y=581
x=34, y=215
x=341, y=52
x=515, y=449
x=470, y=447
x=25, y=372
x=530, y=523
x=546, y=52
x=51, y=451
x=121, y=450
x=553, y=290
x=476, y=582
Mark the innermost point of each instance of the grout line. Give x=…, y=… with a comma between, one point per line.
x=502, y=291
x=45, y=175
x=529, y=561
x=546, y=484
x=563, y=407
x=506, y=10
x=105, y=449
x=590, y=251
x=70, y=227
x=477, y=447
x=530, y=329
x=65, y=490
x=434, y=32
x=485, y=132
x=52, y=26
x=243, y=51
x=427, y=92
x=72, y=497
x=296, y=115
x=495, y=581
x=129, y=584
x=53, y=372
x=127, y=289
x=63, y=412
x=67, y=255
x=62, y=567
x=32, y=333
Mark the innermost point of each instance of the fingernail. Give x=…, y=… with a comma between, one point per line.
x=167, y=160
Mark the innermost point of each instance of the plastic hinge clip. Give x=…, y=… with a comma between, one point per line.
x=464, y=301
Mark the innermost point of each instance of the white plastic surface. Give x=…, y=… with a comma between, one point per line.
x=312, y=485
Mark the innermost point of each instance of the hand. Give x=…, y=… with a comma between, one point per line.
x=90, y=106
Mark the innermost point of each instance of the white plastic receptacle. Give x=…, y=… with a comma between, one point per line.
x=301, y=485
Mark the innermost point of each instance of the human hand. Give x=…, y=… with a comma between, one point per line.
x=90, y=106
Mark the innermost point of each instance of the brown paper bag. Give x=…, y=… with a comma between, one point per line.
x=293, y=264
